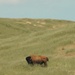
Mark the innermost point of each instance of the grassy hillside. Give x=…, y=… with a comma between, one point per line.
x=22, y=37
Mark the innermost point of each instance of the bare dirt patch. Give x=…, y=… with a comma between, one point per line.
x=66, y=51
x=41, y=22
x=28, y=22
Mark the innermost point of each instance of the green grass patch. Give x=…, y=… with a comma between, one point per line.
x=22, y=37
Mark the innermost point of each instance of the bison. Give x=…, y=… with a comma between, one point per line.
x=37, y=59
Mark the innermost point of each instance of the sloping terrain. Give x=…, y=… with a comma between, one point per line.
x=22, y=37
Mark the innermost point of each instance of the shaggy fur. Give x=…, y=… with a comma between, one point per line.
x=28, y=59
x=35, y=59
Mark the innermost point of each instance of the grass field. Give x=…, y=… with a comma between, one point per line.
x=22, y=37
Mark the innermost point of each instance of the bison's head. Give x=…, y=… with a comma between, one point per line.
x=28, y=59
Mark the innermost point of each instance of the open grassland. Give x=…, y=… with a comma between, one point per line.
x=22, y=37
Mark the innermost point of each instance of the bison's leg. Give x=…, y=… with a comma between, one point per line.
x=45, y=63
x=41, y=62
